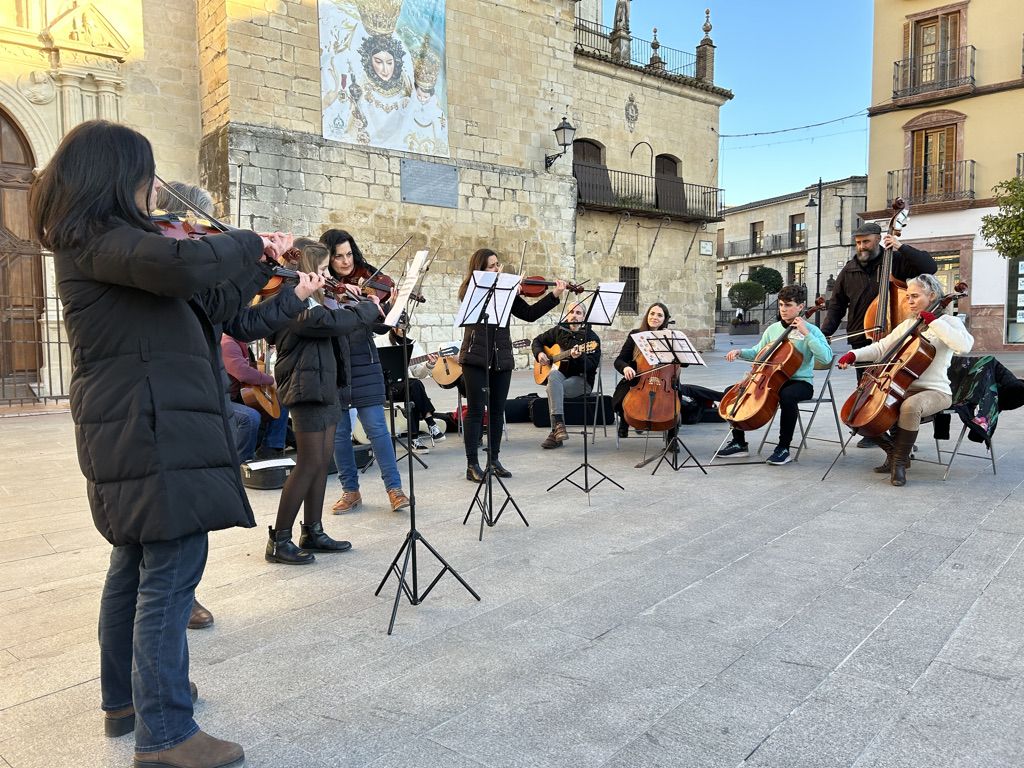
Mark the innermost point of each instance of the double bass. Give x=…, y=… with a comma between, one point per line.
x=874, y=406
x=751, y=403
x=890, y=307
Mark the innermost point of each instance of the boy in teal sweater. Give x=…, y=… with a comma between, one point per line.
x=814, y=348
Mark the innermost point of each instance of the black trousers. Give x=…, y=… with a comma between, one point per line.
x=791, y=394
x=418, y=399
x=475, y=380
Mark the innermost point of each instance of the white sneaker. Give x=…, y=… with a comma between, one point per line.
x=419, y=446
x=436, y=433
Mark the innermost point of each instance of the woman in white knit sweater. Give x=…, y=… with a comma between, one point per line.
x=930, y=393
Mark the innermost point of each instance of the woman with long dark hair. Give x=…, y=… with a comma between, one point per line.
x=153, y=437
x=477, y=356
x=655, y=318
x=364, y=390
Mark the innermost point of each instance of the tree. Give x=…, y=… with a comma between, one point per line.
x=1004, y=231
x=746, y=295
x=770, y=278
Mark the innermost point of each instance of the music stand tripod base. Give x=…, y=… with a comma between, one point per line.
x=672, y=458
x=486, y=504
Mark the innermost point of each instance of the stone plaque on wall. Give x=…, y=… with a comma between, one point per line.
x=430, y=183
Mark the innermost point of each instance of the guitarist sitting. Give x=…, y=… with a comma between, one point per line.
x=422, y=408
x=565, y=378
x=242, y=372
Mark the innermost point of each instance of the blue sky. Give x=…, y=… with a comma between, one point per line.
x=788, y=64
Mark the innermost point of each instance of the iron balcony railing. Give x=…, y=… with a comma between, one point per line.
x=933, y=72
x=786, y=241
x=595, y=38
x=599, y=188
x=940, y=183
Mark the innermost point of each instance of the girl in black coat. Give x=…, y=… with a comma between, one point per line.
x=150, y=424
x=477, y=355
x=310, y=370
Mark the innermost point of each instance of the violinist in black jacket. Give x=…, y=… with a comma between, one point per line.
x=568, y=379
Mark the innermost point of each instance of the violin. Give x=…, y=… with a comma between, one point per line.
x=890, y=307
x=752, y=403
x=376, y=283
x=874, y=406
x=536, y=286
x=182, y=227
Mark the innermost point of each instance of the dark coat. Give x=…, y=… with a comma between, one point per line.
x=474, y=342
x=566, y=339
x=154, y=442
x=857, y=286
x=365, y=385
x=310, y=366
x=625, y=359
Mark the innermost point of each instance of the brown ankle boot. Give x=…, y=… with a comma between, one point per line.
x=199, y=751
x=903, y=443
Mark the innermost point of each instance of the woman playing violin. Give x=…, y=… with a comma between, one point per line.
x=476, y=356
x=931, y=391
x=364, y=391
x=150, y=421
x=812, y=345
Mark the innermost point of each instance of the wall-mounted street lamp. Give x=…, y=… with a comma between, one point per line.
x=564, y=133
x=816, y=203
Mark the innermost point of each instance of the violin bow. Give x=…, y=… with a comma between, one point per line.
x=389, y=259
x=192, y=206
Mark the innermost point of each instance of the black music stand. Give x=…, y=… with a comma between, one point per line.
x=394, y=361
x=603, y=306
x=413, y=537
x=669, y=347
x=488, y=302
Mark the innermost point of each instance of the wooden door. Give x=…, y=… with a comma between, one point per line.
x=21, y=274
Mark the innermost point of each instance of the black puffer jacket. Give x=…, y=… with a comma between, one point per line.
x=857, y=286
x=153, y=437
x=365, y=386
x=310, y=366
x=474, y=345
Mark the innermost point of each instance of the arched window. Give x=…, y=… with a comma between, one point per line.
x=668, y=185
x=587, y=151
x=666, y=166
x=593, y=185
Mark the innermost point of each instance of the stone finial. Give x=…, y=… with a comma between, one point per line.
x=706, y=53
x=707, y=24
x=656, y=61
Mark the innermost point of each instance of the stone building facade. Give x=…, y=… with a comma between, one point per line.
x=229, y=91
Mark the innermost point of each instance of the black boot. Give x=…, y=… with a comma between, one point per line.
x=499, y=471
x=474, y=472
x=885, y=443
x=313, y=538
x=902, y=444
x=623, y=428
x=280, y=549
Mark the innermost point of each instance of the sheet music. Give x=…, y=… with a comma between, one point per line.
x=666, y=346
x=605, y=303
x=499, y=308
x=406, y=286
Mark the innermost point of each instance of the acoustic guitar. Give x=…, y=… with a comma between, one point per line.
x=447, y=372
x=262, y=398
x=556, y=355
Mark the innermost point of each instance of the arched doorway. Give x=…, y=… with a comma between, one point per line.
x=21, y=273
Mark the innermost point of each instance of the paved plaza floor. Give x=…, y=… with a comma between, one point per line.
x=756, y=616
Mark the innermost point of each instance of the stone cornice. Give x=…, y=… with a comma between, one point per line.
x=684, y=86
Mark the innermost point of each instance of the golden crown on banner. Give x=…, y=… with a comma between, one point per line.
x=379, y=16
x=426, y=67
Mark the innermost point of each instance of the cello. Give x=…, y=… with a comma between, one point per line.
x=889, y=308
x=652, y=403
x=874, y=406
x=751, y=403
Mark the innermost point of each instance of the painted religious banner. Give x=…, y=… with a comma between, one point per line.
x=382, y=74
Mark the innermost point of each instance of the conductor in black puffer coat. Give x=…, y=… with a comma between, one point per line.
x=153, y=437
x=476, y=356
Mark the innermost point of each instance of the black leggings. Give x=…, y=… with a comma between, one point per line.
x=418, y=399
x=791, y=394
x=476, y=379
x=307, y=483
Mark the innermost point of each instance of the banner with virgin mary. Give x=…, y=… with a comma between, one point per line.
x=382, y=74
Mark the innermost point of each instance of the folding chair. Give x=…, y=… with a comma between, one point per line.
x=987, y=442
x=824, y=395
x=598, y=405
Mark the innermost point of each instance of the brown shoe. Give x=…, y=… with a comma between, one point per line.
x=201, y=618
x=119, y=722
x=560, y=433
x=551, y=441
x=349, y=500
x=200, y=750
x=398, y=499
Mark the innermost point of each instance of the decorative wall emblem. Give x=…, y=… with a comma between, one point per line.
x=37, y=87
x=632, y=113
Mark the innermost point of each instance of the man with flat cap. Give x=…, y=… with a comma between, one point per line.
x=857, y=284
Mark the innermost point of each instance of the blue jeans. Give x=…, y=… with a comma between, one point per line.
x=277, y=430
x=145, y=607
x=245, y=424
x=376, y=426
